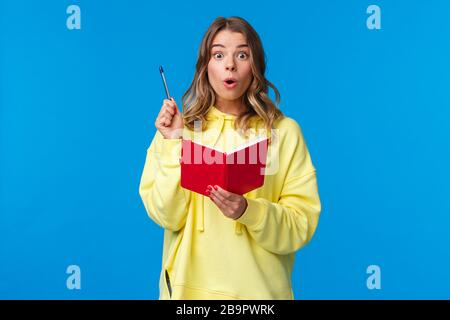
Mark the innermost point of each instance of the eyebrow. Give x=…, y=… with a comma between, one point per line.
x=222, y=46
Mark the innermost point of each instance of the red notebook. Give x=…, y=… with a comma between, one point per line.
x=238, y=171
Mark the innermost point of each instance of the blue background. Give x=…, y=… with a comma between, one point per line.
x=77, y=115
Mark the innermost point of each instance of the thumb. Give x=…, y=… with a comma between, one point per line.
x=176, y=107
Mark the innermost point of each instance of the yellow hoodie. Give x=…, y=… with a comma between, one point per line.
x=209, y=256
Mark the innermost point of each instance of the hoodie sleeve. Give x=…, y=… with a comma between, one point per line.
x=165, y=201
x=285, y=226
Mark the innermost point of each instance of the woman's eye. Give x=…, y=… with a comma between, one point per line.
x=217, y=55
x=242, y=55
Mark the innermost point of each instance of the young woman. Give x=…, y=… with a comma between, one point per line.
x=226, y=245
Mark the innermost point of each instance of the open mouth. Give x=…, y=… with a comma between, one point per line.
x=230, y=83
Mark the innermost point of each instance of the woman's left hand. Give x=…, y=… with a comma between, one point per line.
x=232, y=205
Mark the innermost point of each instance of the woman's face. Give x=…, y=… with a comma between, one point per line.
x=230, y=59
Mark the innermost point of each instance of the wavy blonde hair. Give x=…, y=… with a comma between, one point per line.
x=200, y=96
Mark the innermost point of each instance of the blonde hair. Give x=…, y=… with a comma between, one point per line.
x=200, y=96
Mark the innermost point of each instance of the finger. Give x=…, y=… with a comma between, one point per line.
x=168, y=115
x=161, y=112
x=224, y=193
x=218, y=202
x=219, y=196
x=226, y=209
x=167, y=121
x=169, y=109
x=174, y=105
x=213, y=193
x=167, y=104
x=164, y=121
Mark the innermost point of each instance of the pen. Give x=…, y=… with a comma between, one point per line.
x=161, y=71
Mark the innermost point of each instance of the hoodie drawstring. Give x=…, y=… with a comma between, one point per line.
x=238, y=228
x=201, y=216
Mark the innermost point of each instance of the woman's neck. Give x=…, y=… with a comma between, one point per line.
x=231, y=107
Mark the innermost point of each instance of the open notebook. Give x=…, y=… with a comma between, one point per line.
x=239, y=171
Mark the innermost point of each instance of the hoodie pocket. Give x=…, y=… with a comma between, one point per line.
x=169, y=287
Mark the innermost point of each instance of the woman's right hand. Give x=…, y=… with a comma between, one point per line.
x=169, y=121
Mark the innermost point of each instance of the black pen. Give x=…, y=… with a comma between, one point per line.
x=161, y=71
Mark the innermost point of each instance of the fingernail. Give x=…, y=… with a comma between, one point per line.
x=216, y=187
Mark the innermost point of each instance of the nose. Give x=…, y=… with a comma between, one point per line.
x=230, y=65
